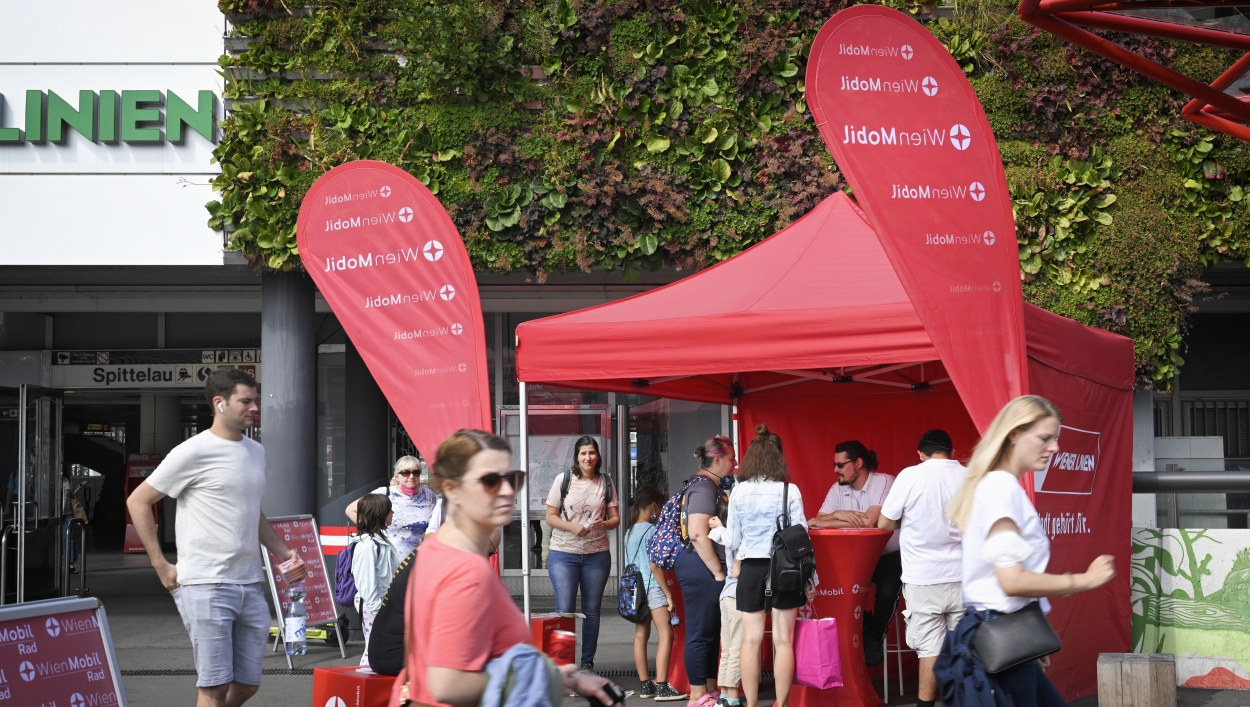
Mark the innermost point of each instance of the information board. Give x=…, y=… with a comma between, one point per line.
x=58, y=652
x=300, y=533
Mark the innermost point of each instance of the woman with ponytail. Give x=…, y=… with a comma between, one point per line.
x=1006, y=550
x=754, y=507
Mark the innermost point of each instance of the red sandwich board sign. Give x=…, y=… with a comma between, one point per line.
x=301, y=535
x=391, y=264
x=58, y=652
x=907, y=130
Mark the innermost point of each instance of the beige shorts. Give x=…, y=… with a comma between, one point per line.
x=932, y=610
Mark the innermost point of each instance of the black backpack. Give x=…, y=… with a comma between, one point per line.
x=793, y=561
x=607, y=492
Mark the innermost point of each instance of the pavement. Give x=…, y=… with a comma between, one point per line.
x=157, y=670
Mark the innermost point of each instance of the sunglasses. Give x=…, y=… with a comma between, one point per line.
x=408, y=472
x=839, y=465
x=492, y=480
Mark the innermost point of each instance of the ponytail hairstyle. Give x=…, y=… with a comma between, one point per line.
x=715, y=447
x=455, y=453
x=763, y=460
x=855, y=449
x=1018, y=415
x=585, y=441
x=644, y=497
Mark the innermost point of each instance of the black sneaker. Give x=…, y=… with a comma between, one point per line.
x=667, y=693
x=874, y=651
x=588, y=668
x=648, y=690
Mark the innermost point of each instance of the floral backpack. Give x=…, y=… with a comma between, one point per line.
x=671, y=534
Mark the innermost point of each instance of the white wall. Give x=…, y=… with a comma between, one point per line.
x=84, y=203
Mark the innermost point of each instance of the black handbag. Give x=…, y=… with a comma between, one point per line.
x=1016, y=638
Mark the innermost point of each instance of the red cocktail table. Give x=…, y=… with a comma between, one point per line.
x=845, y=560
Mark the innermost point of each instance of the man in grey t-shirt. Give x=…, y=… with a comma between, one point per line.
x=218, y=479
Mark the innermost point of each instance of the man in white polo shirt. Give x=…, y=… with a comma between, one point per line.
x=855, y=502
x=932, y=561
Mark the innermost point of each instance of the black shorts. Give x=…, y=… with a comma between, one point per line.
x=751, y=582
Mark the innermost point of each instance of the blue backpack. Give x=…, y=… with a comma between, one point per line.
x=631, y=597
x=344, y=582
x=671, y=535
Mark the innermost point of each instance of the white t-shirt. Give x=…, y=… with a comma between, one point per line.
x=584, y=506
x=874, y=493
x=930, y=542
x=219, y=485
x=999, y=495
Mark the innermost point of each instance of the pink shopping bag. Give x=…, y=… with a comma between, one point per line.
x=817, y=661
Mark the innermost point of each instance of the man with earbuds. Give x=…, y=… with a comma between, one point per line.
x=218, y=479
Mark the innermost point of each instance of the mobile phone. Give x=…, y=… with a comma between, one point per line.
x=614, y=691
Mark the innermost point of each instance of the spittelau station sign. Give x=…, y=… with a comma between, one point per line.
x=109, y=116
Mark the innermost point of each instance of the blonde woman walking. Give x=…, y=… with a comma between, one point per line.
x=1005, y=554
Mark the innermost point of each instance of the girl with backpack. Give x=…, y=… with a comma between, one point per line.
x=581, y=509
x=374, y=560
x=645, y=507
x=754, y=507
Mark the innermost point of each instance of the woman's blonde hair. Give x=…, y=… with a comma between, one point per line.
x=404, y=464
x=1019, y=414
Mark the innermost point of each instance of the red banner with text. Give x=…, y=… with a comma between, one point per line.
x=908, y=132
x=391, y=264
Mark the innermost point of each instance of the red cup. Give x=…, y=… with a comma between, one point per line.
x=561, y=647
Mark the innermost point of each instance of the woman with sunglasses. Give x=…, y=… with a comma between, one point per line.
x=411, y=503
x=459, y=613
x=581, y=509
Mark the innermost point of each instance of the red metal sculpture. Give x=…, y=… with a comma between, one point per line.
x=1211, y=22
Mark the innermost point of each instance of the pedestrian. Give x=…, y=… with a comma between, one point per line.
x=459, y=614
x=700, y=568
x=643, y=511
x=581, y=509
x=218, y=479
x=71, y=508
x=855, y=502
x=411, y=503
x=1006, y=551
x=729, y=674
x=754, y=508
x=374, y=560
x=917, y=507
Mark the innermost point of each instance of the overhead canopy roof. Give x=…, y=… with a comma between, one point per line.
x=818, y=300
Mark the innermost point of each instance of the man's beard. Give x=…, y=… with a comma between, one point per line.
x=844, y=482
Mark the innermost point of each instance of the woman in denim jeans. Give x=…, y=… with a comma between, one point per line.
x=579, y=557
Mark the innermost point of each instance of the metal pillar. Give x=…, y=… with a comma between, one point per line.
x=288, y=393
x=525, y=502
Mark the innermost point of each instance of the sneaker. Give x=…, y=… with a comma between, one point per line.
x=874, y=651
x=667, y=693
x=647, y=691
x=588, y=668
x=724, y=702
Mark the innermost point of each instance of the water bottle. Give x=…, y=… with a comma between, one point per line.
x=295, y=623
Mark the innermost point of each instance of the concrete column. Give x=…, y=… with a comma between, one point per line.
x=1144, y=506
x=288, y=392
x=368, y=429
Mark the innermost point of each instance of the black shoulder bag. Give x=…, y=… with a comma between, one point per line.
x=792, y=563
x=1015, y=638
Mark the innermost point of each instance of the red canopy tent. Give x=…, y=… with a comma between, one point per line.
x=811, y=332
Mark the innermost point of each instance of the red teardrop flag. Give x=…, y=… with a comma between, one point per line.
x=908, y=132
x=390, y=262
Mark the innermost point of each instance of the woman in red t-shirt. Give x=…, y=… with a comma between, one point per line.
x=459, y=614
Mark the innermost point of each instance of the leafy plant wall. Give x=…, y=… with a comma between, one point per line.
x=629, y=134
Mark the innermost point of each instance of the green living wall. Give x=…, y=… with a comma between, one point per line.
x=629, y=134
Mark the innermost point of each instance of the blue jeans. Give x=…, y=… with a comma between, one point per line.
x=568, y=572
x=1028, y=686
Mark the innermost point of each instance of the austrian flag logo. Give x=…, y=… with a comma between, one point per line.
x=960, y=137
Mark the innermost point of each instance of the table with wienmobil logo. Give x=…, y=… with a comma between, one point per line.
x=58, y=652
x=845, y=560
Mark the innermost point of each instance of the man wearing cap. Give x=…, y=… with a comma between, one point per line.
x=930, y=545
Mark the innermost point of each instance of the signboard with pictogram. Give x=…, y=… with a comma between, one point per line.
x=58, y=652
x=301, y=535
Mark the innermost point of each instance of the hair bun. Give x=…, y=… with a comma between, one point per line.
x=870, y=460
x=700, y=452
x=761, y=430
